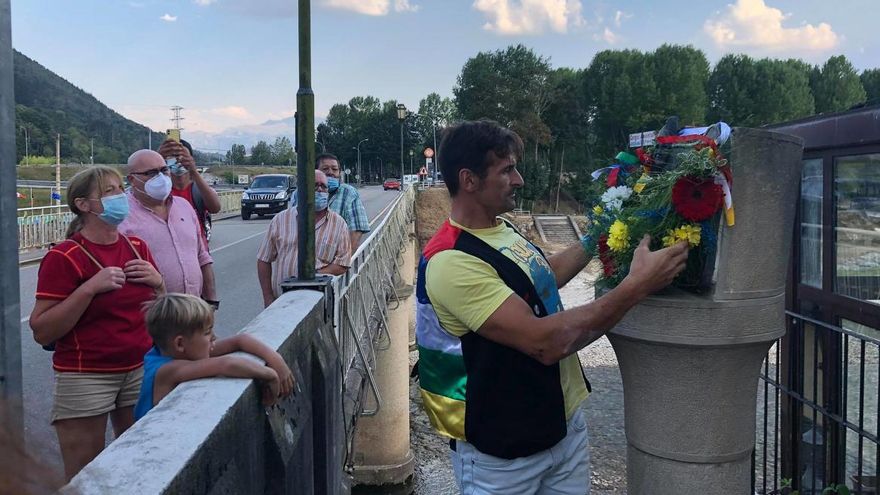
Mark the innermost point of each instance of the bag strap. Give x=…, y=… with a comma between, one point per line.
x=95, y=260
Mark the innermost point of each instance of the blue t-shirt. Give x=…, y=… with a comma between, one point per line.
x=153, y=360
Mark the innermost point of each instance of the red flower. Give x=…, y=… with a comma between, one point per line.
x=605, y=257
x=696, y=199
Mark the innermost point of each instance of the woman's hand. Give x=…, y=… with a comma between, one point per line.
x=143, y=272
x=285, y=376
x=109, y=278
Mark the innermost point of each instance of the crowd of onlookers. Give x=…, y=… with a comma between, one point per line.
x=127, y=302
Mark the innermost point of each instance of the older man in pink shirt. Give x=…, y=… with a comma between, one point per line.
x=170, y=227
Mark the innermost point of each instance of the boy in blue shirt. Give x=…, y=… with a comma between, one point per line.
x=185, y=348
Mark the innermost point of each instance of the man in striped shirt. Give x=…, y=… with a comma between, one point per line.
x=276, y=259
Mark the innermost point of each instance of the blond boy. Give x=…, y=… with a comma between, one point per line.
x=185, y=348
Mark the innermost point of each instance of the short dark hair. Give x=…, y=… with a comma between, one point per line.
x=188, y=147
x=467, y=145
x=325, y=156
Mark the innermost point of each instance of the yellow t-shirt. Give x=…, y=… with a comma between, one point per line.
x=465, y=291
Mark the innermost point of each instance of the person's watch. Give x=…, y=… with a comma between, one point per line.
x=214, y=304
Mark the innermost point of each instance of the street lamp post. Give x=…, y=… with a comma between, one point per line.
x=27, y=142
x=401, y=116
x=359, y=171
x=410, y=162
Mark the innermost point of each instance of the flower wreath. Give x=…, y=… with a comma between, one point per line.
x=673, y=191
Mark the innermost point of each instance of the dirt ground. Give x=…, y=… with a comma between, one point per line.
x=604, y=408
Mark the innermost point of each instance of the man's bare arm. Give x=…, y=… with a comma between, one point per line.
x=568, y=263
x=554, y=337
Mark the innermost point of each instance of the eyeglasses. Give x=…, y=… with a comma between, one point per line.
x=154, y=172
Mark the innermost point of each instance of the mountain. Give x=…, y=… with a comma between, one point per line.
x=46, y=105
x=247, y=135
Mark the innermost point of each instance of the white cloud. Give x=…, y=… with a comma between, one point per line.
x=232, y=111
x=168, y=18
x=621, y=16
x=204, y=3
x=754, y=24
x=608, y=36
x=372, y=7
x=513, y=17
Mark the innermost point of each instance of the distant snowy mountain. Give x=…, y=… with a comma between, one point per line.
x=247, y=135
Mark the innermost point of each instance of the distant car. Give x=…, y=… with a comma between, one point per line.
x=270, y=193
x=391, y=183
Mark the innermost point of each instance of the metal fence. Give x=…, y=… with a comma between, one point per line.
x=818, y=403
x=41, y=226
x=361, y=299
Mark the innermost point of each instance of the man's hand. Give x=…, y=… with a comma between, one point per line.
x=654, y=270
x=173, y=149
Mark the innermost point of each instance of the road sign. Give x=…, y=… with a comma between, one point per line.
x=429, y=152
x=423, y=171
x=244, y=179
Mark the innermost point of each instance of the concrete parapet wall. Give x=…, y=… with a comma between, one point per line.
x=214, y=436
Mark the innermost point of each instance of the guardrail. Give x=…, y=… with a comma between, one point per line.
x=361, y=297
x=41, y=226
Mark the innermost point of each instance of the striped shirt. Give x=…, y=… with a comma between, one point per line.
x=347, y=202
x=332, y=245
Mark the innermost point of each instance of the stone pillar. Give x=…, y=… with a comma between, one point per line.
x=382, y=444
x=690, y=363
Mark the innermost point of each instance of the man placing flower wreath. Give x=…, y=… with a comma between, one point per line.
x=498, y=370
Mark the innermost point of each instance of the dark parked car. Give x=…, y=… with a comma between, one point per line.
x=269, y=193
x=391, y=183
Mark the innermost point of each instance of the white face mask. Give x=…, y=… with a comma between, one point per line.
x=159, y=187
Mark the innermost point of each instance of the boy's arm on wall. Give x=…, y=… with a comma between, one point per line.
x=182, y=370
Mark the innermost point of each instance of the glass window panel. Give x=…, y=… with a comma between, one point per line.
x=811, y=223
x=857, y=226
x=857, y=377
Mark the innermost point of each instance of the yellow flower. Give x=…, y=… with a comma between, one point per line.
x=597, y=210
x=689, y=233
x=618, y=236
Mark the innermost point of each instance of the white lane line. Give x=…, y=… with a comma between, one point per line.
x=238, y=241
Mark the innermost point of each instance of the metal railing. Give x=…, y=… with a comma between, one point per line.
x=361, y=298
x=40, y=226
x=817, y=416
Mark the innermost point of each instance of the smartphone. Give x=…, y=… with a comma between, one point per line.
x=174, y=134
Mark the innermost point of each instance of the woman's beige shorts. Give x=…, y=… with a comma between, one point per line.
x=81, y=395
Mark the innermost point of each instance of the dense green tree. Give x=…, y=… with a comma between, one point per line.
x=871, y=82
x=261, y=154
x=680, y=76
x=282, y=152
x=746, y=92
x=836, y=86
x=236, y=155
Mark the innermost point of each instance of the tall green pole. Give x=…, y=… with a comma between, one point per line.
x=305, y=149
x=11, y=418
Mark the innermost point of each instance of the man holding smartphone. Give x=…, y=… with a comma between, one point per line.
x=187, y=182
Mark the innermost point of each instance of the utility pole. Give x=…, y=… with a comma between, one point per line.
x=305, y=149
x=149, y=138
x=58, y=168
x=92, y=154
x=11, y=417
x=175, y=110
x=27, y=152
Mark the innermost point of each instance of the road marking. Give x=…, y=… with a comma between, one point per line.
x=381, y=212
x=237, y=242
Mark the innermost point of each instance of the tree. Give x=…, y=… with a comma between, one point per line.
x=836, y=86
x=746, y=92
x=680, y=76
x=236, y=155
x=871, y=82
x=261, y=153
x=435, y=110
x=282, y=152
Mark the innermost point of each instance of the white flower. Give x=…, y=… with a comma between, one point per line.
x=614, y=197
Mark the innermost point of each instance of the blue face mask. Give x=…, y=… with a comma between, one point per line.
x=115, y=208
x=321, y=201
x=332, y=184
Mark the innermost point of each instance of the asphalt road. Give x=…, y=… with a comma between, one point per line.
x=234, y=245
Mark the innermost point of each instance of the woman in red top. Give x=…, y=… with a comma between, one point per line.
x=90, y=290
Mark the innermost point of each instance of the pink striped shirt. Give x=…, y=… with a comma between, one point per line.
x=177, y=244
x=332, y=245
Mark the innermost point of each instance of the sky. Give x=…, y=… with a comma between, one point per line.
x=234, y=63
